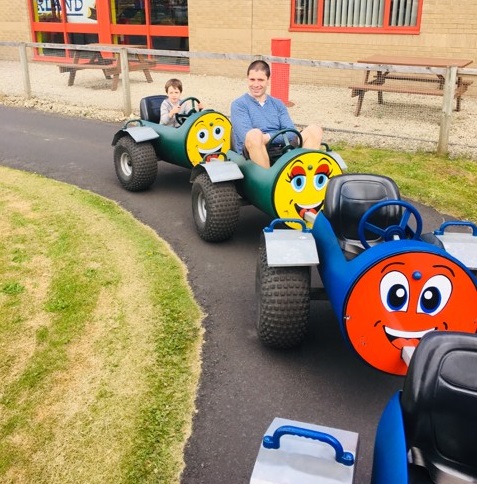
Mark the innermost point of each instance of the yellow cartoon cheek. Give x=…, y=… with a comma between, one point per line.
x=192, y=148
x=284, y=197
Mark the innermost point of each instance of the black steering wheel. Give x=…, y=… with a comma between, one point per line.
x=288, y=145
x=401, y=230
x=181, y=117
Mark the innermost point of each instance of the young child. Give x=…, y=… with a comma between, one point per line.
x=171, y=106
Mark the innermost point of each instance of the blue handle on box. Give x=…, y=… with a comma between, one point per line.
x=460, y=223
x=273, y=441
x=286, y=220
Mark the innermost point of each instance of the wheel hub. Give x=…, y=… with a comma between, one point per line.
x=201, y=208
x=126, y=165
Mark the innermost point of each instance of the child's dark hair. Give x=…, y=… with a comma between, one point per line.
x=176, y=83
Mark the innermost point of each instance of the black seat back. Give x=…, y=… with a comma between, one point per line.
x=150, y=108
x=439, y=405
x=349, y=196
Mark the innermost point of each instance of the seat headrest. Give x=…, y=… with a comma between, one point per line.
x=349, y=196
x=439, y=403
x=150, y=108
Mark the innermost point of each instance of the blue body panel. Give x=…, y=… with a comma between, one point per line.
x=390, y=453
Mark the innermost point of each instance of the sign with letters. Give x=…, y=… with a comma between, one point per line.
x=77, y=11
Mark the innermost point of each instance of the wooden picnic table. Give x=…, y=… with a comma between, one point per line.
x=402, y=82
x=111, y=66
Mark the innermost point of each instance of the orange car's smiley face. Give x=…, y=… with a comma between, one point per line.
x=301, y=186
x=402, y=298
x=210, y=134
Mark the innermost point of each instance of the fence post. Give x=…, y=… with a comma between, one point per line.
x=127, y=110
x=280, y=79
x=446, y=116
x=25, y=72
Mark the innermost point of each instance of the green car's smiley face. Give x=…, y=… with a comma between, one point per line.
x=301, y=186
x=211, y=133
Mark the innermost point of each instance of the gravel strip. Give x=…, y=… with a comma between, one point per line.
x=407, y=122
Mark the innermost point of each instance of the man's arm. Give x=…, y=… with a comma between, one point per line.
x=283, y=115
x=241, y=123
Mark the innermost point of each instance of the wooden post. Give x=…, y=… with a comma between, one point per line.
x=127, y=109
x=25, y=72
x=446, y=116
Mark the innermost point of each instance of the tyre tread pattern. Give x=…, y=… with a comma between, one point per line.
x=284, y=303
x=144, y=164
x=222, y=205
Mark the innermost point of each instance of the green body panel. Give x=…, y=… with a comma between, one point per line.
x=258, y=184
x=171, y=144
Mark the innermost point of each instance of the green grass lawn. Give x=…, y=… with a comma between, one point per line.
x=449, y=186
x=100, y=340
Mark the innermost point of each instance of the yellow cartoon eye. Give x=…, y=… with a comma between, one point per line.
x=297, y=178
x=218, y=132
x=202, y=136
x=320, y=181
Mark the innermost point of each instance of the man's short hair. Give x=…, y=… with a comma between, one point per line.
x=259, y=65
x=175, y=83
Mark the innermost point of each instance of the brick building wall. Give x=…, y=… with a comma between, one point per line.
x=14, y=26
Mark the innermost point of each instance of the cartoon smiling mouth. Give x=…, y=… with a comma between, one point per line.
x=399, y=339
x=217, y=149
x=302, y=209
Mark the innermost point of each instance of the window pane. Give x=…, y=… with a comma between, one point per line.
x=81, y=11
x=130, y=40
x=50, y=38
x=47, y=10
x=82, y=39
x=353, y=13
x=306, y=11
x=171, y=43
x=169, y=12
x=403, y=13
x=128, y=12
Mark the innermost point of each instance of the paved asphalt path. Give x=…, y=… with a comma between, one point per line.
x=244, y=385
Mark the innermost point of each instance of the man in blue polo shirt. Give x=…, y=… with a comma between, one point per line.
x=256, y=116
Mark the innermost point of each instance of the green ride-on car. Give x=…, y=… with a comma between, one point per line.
x=294, y=185
x=141, y=143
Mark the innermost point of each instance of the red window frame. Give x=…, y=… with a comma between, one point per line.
x=385, y=29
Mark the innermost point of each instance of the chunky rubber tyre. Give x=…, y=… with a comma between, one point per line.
x=135, y=164
x=283, y=297
x=215, y=208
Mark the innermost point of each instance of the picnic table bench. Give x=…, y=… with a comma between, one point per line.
x=423, y=84
x=111, y=67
